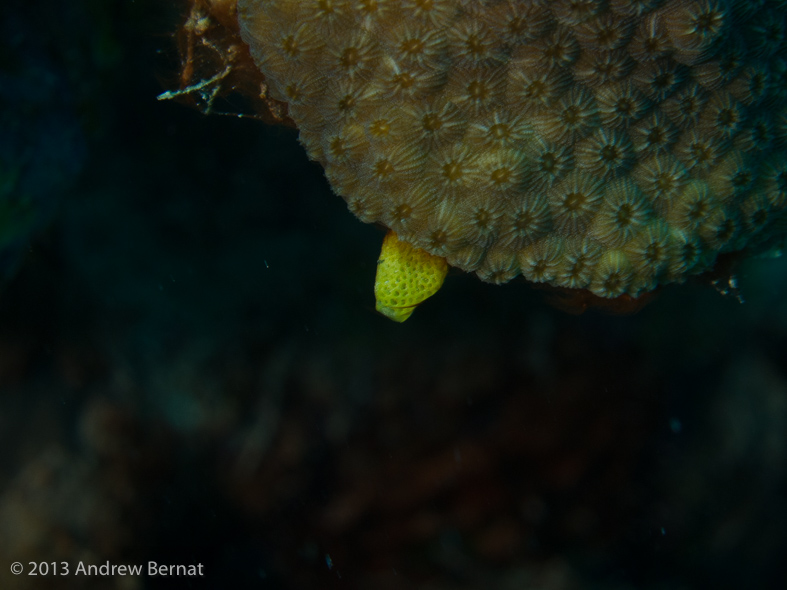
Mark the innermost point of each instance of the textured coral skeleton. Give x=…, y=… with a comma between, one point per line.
x=605, y=145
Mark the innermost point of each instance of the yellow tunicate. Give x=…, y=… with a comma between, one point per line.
x=406, y=277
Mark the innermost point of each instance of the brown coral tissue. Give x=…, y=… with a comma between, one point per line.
x=634, y=142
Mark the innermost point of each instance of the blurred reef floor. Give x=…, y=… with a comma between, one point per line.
x=192, y=371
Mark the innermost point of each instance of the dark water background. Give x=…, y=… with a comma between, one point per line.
x=192, y=371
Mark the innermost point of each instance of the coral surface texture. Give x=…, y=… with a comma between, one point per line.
x=603, y=145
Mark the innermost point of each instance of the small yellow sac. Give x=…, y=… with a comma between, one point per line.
x=406, y=277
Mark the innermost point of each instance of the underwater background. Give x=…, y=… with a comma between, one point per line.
x=192, y=370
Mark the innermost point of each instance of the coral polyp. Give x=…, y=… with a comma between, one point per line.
x=603, y=145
